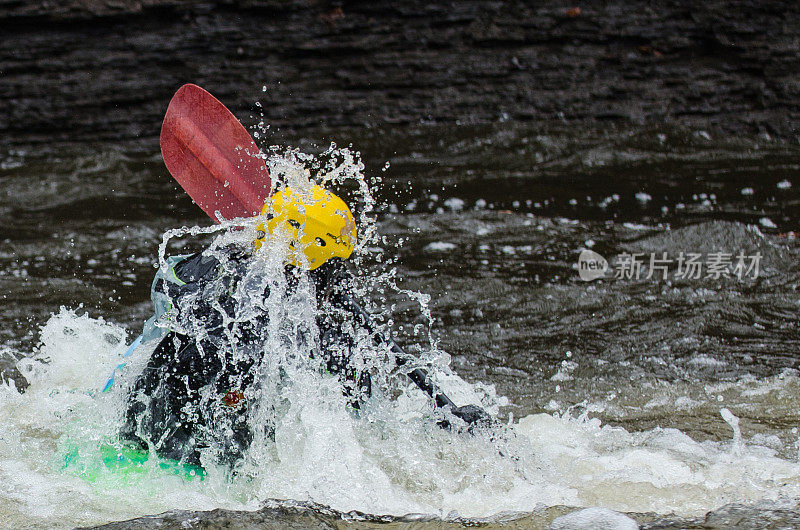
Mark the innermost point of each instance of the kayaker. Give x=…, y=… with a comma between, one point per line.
x=195, y=389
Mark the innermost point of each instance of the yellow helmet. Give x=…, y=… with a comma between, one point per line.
x=319, y=223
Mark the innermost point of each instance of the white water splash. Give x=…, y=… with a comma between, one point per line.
x=391, y=458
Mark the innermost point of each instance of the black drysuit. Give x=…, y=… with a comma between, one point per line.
x=194, y=390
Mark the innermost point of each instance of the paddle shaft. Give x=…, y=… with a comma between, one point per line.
x=419, y=376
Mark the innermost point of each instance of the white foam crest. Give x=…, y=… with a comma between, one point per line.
x=661, y=470
x=71, y=361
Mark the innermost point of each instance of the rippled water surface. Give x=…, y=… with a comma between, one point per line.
x=674, y=397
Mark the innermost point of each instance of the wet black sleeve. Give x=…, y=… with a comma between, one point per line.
x=193, y=272
x=197, y=269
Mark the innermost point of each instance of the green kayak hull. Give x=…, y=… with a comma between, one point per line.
x=122, y=460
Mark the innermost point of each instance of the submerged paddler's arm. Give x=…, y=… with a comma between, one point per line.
x=471, y=414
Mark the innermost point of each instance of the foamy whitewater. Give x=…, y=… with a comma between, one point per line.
x=389, y=458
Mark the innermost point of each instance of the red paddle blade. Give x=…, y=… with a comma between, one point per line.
x=212, y=156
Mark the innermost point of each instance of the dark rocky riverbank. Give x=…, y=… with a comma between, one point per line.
x=104, y=70
x=298, y=515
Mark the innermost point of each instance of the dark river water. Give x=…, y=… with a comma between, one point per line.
x=665, y=392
